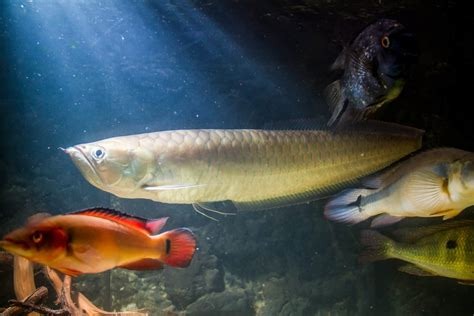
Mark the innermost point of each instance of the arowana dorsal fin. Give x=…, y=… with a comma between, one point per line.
x=150, y=226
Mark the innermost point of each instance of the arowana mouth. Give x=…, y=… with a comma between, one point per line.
x=82, y=162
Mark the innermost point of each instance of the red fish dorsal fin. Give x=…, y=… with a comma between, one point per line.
x=36, y=218
x=150, y=226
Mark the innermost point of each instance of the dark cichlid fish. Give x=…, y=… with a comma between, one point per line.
x=374, y=68
x=441, y=250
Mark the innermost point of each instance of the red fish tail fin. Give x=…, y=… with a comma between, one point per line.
x=180, y=245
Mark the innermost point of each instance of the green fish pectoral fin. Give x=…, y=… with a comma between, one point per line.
x=415, y=270
x=412, y=234
x=385, y=220
x=336, y=99
x=377, y=246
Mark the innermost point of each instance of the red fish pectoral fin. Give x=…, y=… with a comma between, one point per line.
x=180, y=245
x=70, y=272
x=143, y=264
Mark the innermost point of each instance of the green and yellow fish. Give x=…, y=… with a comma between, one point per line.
x=441, y=250
x=255, y=169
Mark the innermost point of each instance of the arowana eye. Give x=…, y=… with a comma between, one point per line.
x=37, y=237
x=98, y=153
x=385, y=41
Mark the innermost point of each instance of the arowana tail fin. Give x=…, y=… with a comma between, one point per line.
x=377, y=246
x=180, y=245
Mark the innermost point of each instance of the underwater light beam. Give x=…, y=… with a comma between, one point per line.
x=134, y=64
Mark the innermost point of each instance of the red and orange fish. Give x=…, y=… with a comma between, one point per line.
x=99, y=239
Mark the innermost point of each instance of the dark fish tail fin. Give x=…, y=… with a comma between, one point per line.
x=377, y=246
x=335, y=97
x=346, y=207
x=180, y=246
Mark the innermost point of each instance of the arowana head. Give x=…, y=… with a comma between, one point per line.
x=114, y=165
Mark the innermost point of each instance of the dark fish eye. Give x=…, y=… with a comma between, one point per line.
x=98, y=153
x=385, y=41
x=37, y=237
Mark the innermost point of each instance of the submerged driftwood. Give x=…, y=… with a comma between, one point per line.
x=29, y=303
x=29, y=299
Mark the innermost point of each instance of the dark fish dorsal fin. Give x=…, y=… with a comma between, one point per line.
x=340, y=62
x=412, y=234
x=150, y=226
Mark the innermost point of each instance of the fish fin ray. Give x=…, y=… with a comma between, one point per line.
x=375, y=126
x=426, y=188
x=169, y=187
x=412, y=234
x=385, y=220
x=150, y=226
x=143, y=264
x=376, y=245
x=213, y=208
x=340, y=62
x=346, y=207
x=202, y=212
x=180, y=247
x=336, y=100
x=415, y=270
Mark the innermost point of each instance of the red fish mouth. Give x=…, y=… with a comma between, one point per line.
x=6, y=242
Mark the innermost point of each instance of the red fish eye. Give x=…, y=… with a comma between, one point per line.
x=385, y=42
x=37, y=237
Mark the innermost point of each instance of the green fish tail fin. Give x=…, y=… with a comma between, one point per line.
x=377, y=246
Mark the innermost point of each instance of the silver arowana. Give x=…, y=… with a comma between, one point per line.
x=255, y=169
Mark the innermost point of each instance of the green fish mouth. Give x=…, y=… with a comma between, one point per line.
x=85, y=166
